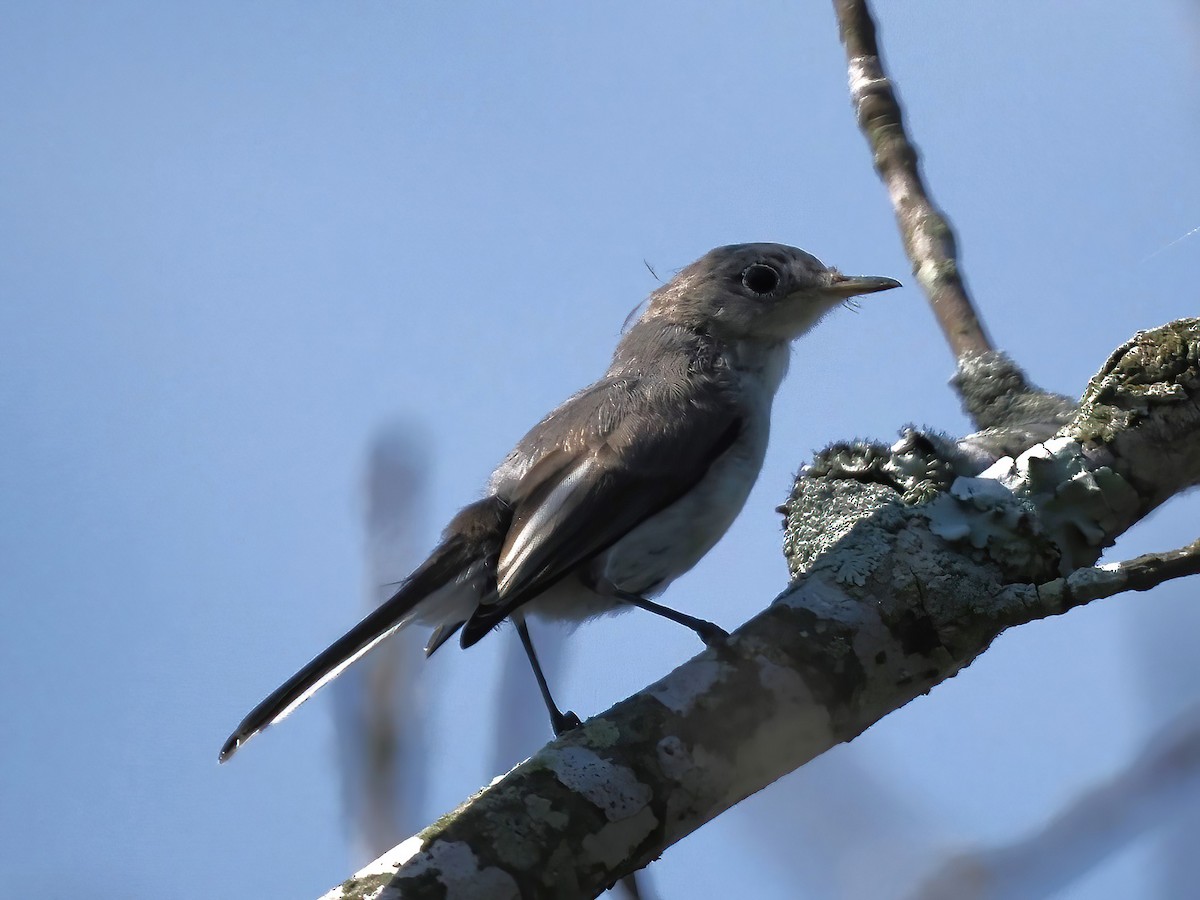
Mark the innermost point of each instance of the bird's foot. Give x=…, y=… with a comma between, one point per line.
x=712, y=634
x=562, y=722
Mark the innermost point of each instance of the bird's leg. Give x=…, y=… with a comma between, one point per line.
x=561, y=722
x=712, y=635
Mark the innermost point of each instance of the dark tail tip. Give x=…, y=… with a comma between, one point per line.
x=229, y=748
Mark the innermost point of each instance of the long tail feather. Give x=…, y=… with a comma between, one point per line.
x=327, y=665
x=472, y=538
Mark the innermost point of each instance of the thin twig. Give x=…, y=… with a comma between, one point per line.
x=928, y=238
x=1139, y=574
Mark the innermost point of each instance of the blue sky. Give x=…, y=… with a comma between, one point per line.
x=238, y=239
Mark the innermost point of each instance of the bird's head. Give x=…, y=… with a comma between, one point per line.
x=768, y=292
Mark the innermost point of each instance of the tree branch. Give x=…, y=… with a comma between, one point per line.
x=928, y=237
x=907, y=562
x=1142, y=573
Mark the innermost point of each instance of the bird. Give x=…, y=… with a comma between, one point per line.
x=624, y=486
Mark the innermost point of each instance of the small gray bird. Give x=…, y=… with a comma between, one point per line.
x=622, y=488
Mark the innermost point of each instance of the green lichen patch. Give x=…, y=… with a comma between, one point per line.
x=365, y=888
x=1156, y=367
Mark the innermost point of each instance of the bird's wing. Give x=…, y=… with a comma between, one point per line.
x=624, y=452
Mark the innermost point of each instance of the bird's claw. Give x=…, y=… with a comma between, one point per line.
x=712, y=634
x=564, y=722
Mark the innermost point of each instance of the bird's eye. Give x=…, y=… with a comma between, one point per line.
x=760, y=278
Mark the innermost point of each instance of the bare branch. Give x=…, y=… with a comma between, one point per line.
x=995, y=392
x=928, y=237
x=1139, y=574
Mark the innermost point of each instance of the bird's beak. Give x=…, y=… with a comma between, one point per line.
x=853, y=285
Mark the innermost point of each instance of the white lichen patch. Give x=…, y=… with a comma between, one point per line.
x=698, y=775
x=673, y=757
x=614, y=842
x=1051, y=491
x=384, y=865
x=679, y=691
x=1043, y=470
x=981, y=492
x=1096, y=582
x=614, y=789
x=854, y=563
x=979, y=510
x=1087, y=507
x=861, y=74
x=601, y=732
x=458, y=870
x=540, y=810
x=779, y=743
x=784, y=683
x=1079, y=503
x=814, y=594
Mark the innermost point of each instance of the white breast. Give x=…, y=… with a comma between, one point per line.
x=669, y=543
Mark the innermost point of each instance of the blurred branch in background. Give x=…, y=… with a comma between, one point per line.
x=520, y=715
x=836, y=828
x=380, y=704
x=1161, y=783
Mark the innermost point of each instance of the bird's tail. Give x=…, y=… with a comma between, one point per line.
x=327, y=665
x=472, y=538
